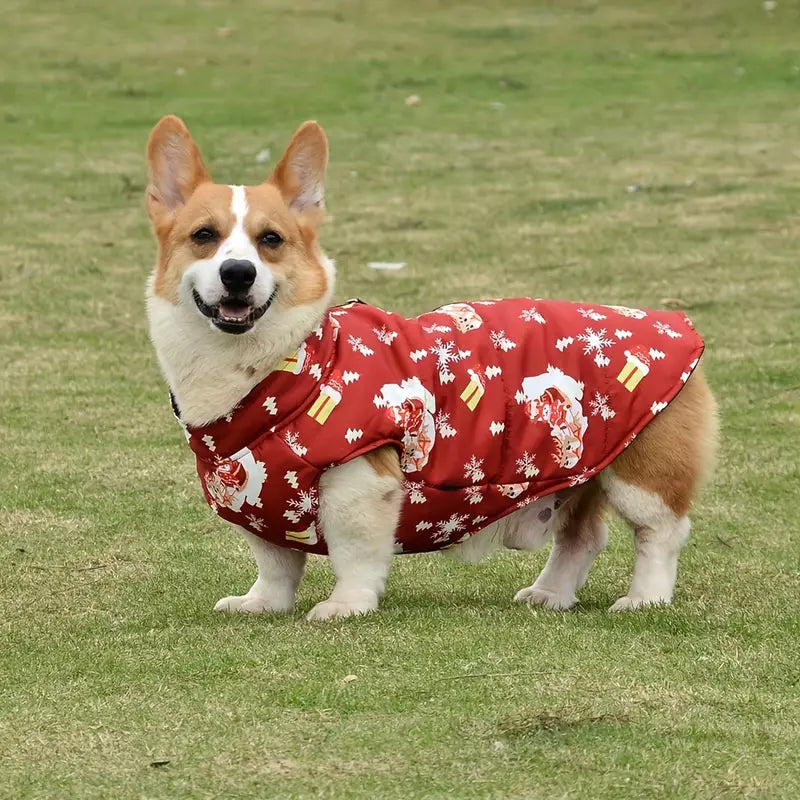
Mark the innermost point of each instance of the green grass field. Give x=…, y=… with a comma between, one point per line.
x=645, y=153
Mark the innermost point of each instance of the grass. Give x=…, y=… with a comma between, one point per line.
x=628, y=152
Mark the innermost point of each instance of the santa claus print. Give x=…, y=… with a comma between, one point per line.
x=236, y=481
x=464, y=316
x=632, y=313
x=512, y=490
x=553, y=398
x=411, y=406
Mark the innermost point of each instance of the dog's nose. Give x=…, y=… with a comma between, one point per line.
x=237, y=275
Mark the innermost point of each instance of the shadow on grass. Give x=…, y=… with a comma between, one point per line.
x=523, y=726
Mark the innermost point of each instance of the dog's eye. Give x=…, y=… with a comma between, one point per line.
x=204, y=235
x=270, y=239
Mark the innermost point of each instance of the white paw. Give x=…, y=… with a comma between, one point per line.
x=535, y=596
x=251, y=604
x=337, y=609
x=632, y=603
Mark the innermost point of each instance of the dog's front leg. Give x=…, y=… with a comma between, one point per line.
x=360, y=508
x=279, y=573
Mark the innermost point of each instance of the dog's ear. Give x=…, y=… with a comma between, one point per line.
x=300, y=174
x=176, y=167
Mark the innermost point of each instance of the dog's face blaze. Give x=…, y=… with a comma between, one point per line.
x=236, y=254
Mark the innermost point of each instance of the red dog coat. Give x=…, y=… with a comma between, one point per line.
x=491, y=405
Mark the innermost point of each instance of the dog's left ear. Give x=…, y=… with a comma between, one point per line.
x=300, y=174
x=176, y=167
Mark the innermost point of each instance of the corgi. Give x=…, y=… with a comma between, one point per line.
x=353, y=432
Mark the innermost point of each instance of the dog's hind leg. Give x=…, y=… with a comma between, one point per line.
x=659, y=536
x=279, y=573
x=578, y=538
x=652, y=484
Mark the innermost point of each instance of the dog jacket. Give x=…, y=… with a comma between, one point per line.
x=491, y=406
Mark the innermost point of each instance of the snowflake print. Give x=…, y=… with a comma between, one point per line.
x=385, y=336
x=293, y=440
x=306, y=502
x=581, y=477
x=358, y=347
x=474, y=494
x=599, y=406
x=255, y=522
x=532, y=315
x=443, y=426
x=446, y=354
x=663, y=328
x=595, y=342
x=446, y=528
x=438, y=329
x=415, y=492
x=473, y=470
x=527, y=465
x=501, y=342
x=588, y=313
x=479, y=519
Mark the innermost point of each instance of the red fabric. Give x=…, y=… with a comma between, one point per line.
x=491, y=406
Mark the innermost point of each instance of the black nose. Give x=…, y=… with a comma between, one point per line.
x=237, y=276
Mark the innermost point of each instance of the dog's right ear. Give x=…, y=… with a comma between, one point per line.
x=176, y=167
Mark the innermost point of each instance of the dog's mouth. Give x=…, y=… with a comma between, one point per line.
x=232, y=314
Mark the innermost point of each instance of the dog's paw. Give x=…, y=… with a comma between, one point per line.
x=338, y=609
x=251, y=604
x=534, y=596
x=628, y=603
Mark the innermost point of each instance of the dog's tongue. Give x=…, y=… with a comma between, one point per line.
x=234, y=309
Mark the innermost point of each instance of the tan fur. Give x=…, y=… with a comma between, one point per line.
x=584, y=504
x=674, y=453
x=176, y=166
x=181, y=198
x=385, y=462
x=176, y=172
x=303, y=165
x=209, y=205
x=298, y=261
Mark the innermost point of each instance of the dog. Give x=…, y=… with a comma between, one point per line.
x=351, y=431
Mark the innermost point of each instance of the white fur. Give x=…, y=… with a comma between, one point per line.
x=360, y=511
x=279, y=573
x=520, y=530
x=567, y=568
x=659, y=535
x=208, y=371
x=203, y=275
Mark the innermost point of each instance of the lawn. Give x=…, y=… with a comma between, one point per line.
x=641, y=152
